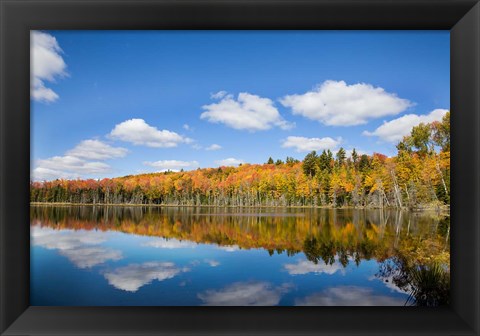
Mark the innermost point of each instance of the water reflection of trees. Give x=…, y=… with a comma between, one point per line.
x=427, y=284
x=320, y=233
x=412, y=248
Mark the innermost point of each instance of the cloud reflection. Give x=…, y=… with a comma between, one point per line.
x=87, y=257
x=244, y=294
x=348, y=296
x=229, y=248
x=304, y=267
x=131, y=277
x=389, y=283
x=211, y=262
x=80, y=247
x=64, y=239
x=169, y=243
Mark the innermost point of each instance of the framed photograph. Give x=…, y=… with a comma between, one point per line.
x=237, y=167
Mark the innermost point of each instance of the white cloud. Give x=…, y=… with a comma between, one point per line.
x=96, y=150
x=67, y=167
x=348, y=296
x=213, y=147
x=138, y=132
x=220, y=95
x=131, y=277
x=394, y=130
x=302, y=144
x=72, y=163
x=46, y=64
x=248, y=112
x=186, y=127
x=46, y=174
x=335, y=103
x=173, y=165
x=80, y=247
x=41, y=93
x=229, y=162
x=169, y=243
x=304, y=267
x=77, y=162
x=244, y=294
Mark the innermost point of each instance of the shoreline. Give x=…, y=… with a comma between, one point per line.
x=443, y=208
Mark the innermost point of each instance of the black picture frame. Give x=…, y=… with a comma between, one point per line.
x=18, y=17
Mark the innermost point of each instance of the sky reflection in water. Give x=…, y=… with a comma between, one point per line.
x=185, y=256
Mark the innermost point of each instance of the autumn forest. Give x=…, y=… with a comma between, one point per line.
x=417, y=177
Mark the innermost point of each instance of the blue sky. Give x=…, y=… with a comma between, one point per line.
x=107, y=103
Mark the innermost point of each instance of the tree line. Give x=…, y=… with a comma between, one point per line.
x=418, y=176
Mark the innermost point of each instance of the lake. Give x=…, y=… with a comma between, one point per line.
x=189, y=256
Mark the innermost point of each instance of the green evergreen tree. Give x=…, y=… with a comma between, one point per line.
x=364, y=163
x=341, y=156
x=291, y=161
x=310, y=164
x=324, y=162
x=354, y=157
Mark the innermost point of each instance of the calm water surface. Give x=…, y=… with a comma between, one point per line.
x=219, y=256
